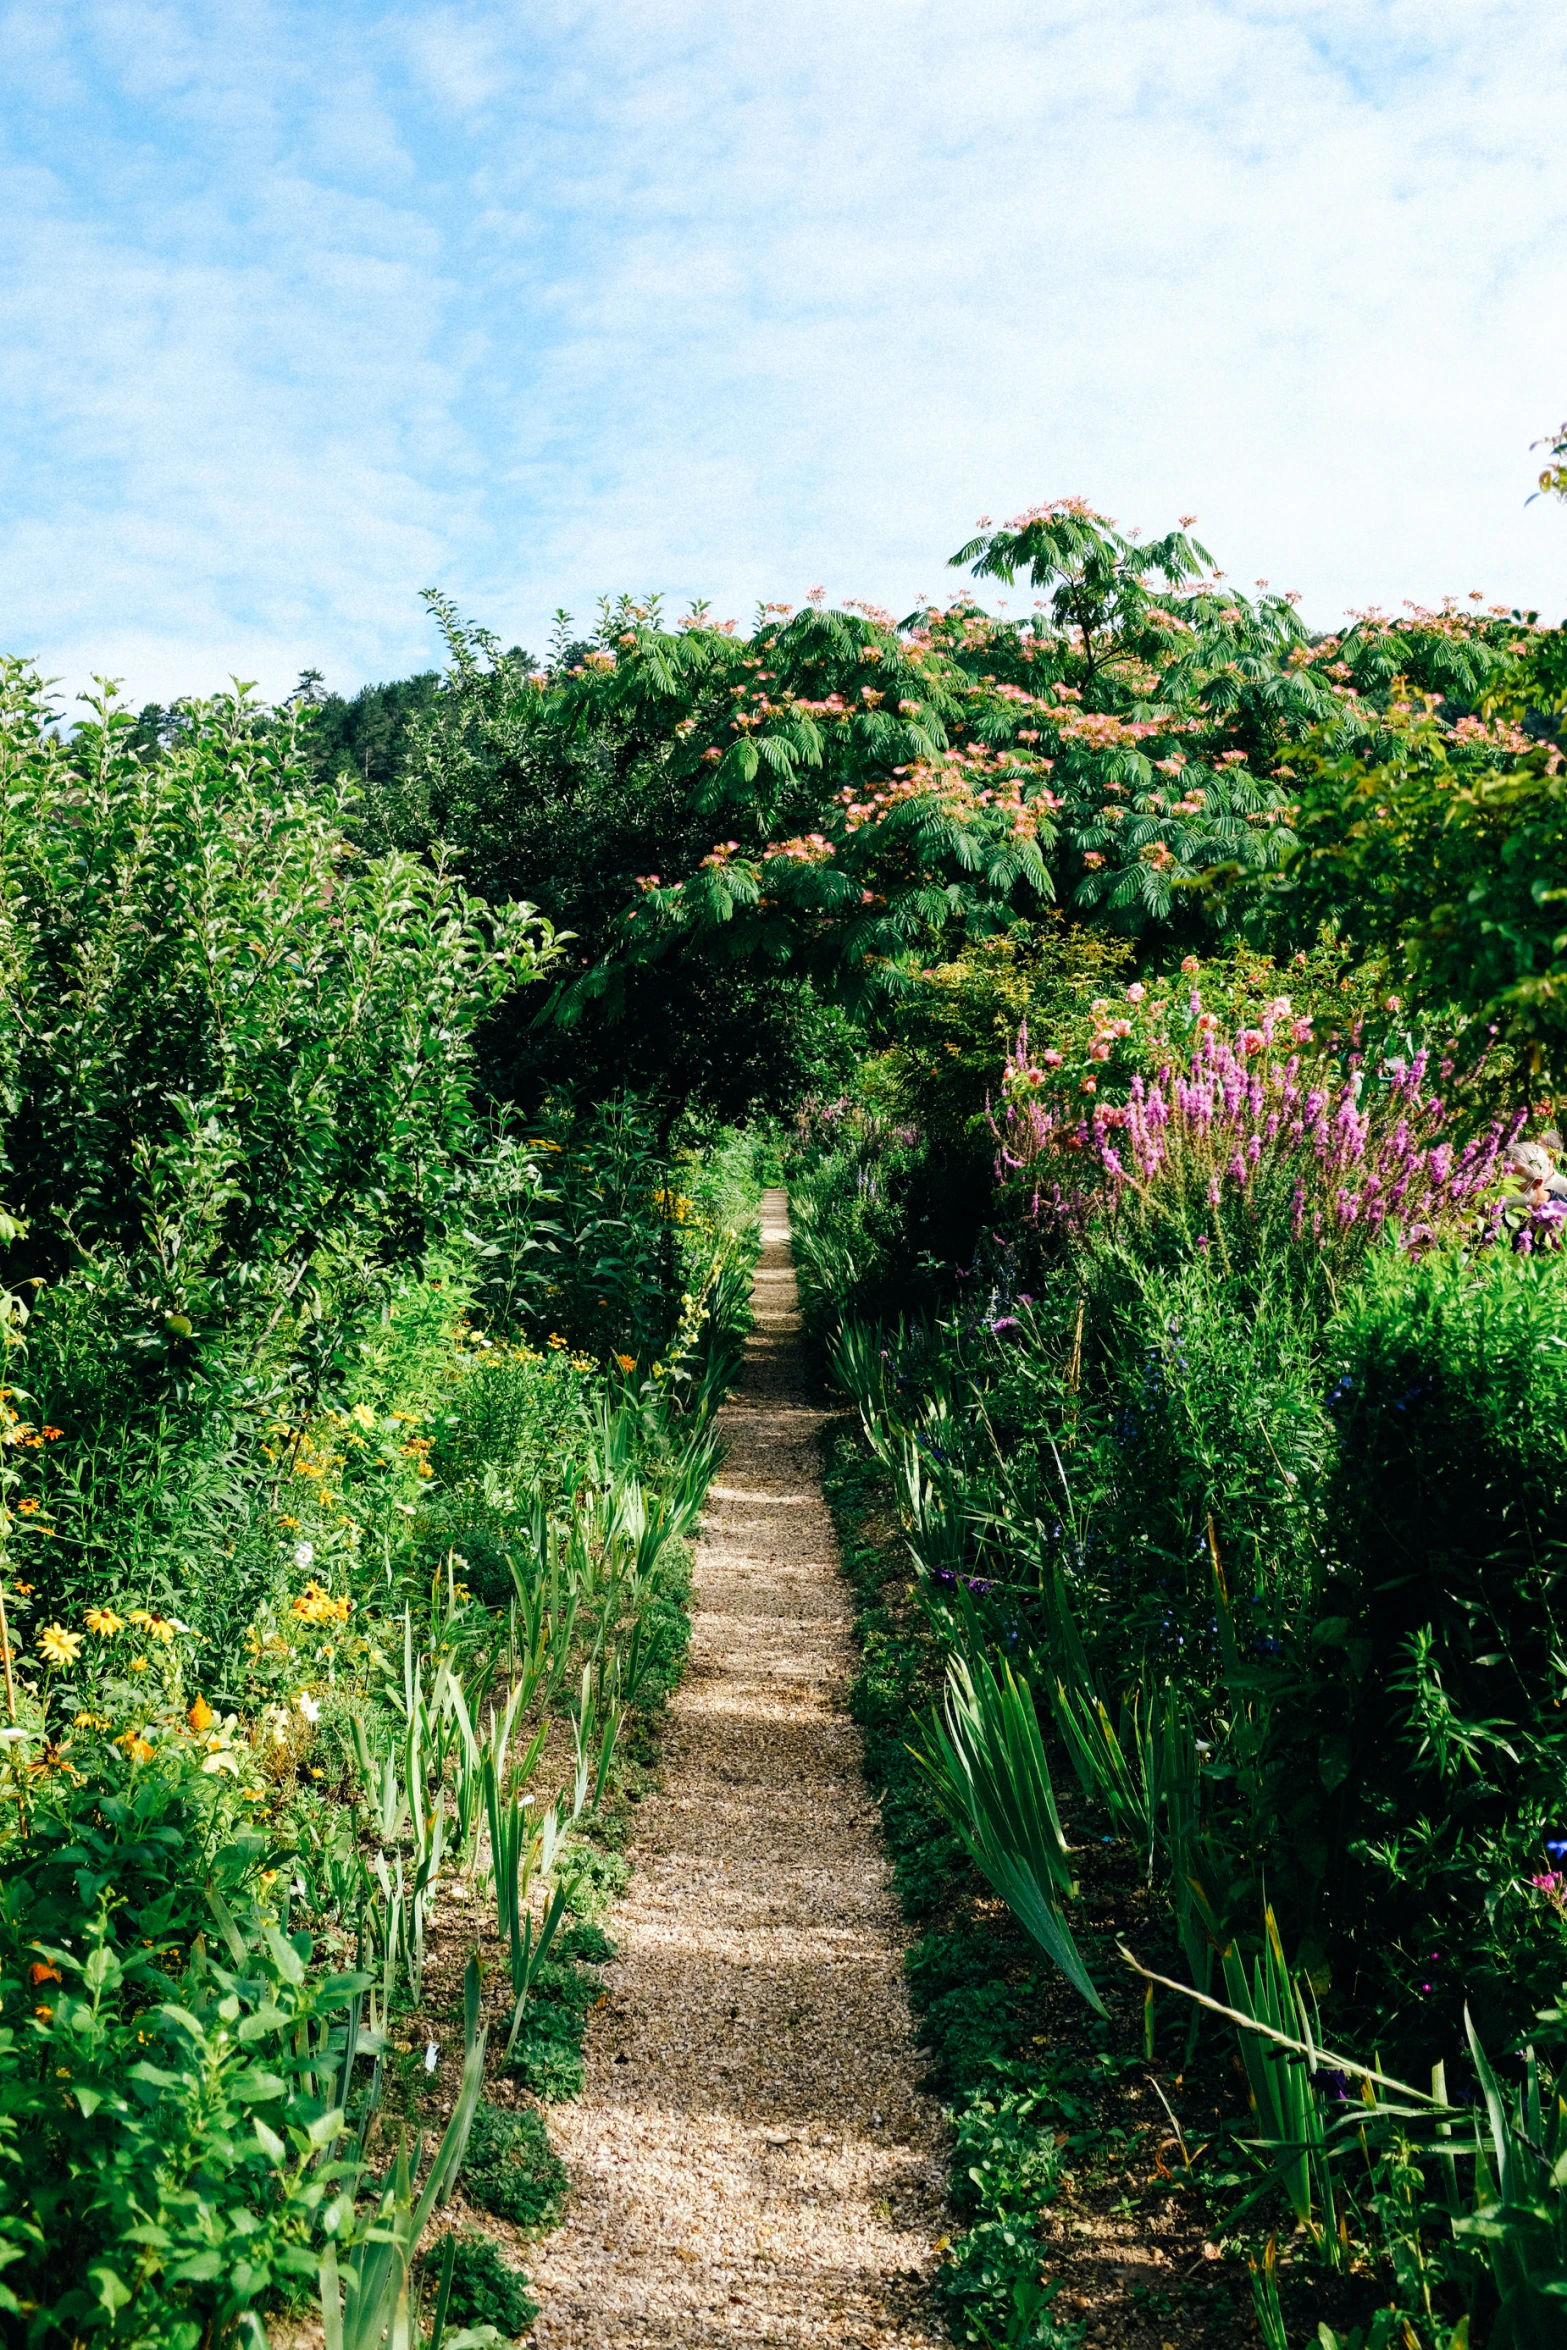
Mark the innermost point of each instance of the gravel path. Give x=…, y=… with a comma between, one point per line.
x=752, y=2160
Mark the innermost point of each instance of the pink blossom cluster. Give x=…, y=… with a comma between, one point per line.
x=810, y=848
x=966, y=783
x=1257, y=1136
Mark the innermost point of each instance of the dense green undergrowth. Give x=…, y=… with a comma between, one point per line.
x=355, y=1429
x=1244, y=1532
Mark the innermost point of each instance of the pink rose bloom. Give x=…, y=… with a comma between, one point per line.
x=1136, y=992
x=1051, y=1059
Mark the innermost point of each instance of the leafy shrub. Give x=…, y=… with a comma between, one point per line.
x=1444, y=1624
x=510, y=2170
x=548, y=2056
x=485, y=2289
x=1451, y=1487
x=598, y=1879
x=587, y=1942
x=166, y=2130
x=223, y=1106
x=1192, y=1412
x=1005, y=2158
x=990, y=2285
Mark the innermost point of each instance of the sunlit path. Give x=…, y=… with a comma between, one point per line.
x=752, y=2160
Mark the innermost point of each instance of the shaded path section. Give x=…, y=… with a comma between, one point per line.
x=752, y=2160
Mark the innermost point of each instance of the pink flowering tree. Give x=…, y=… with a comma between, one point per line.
x=838, y=792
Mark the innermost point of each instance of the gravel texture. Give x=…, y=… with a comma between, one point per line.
x=752, y=2160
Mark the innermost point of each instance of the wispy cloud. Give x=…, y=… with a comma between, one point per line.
x=300, y=311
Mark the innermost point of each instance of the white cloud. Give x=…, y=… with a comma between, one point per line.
x=303, y=312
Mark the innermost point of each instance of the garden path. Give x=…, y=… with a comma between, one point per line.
x=752, y=2160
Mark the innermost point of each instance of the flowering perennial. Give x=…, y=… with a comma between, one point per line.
x=1260, y=1137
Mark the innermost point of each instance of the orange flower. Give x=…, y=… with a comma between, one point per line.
x=200, y=1715
x=41, y=1972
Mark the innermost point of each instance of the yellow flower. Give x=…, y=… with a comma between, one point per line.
x=138, y=1664
x=104, y=1622
x=161, y=1627
x=57, y=1646
x=200, y=1715
x=317, y=1606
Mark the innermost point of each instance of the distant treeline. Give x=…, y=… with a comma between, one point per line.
x=366, y=736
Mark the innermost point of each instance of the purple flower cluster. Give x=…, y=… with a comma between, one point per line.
x=818, y=1122
x=1251, y=1146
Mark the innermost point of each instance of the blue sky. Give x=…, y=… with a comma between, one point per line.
x=306, y=309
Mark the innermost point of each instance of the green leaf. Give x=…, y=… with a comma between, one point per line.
x=156, y=2075
x=258, y=2087
x=112, y=2292
x=199, y=2269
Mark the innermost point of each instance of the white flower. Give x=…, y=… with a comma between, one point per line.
x=432, y=2056
x=304, y=1555
x=308, y=1706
